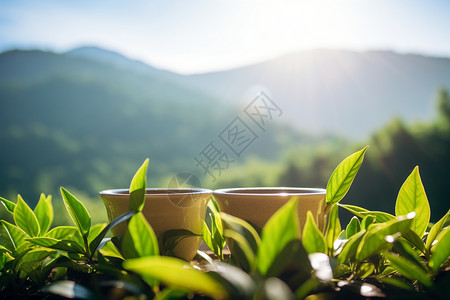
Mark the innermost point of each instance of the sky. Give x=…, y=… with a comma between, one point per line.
x=207, y=35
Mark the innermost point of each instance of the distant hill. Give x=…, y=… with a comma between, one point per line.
x=345, y=92
x=87, y=118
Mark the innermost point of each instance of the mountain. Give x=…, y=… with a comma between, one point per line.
x=346, y=92
x=117, y=60
x=86, y=119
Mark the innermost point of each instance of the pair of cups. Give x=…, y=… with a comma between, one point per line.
x=171, y=209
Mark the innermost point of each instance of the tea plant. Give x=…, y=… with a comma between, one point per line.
x=375, y=255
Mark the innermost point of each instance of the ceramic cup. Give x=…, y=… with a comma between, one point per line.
x=165, y=209
x=256, y=205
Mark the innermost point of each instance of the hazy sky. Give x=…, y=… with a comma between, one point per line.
x=198, y=36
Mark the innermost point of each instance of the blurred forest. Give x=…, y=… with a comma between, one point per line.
x=86, y=122
x=394, y=151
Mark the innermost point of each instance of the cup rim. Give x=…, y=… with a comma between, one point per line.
x=270, y=191
x=158, y=192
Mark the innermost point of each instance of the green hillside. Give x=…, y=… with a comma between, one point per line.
x=86, y=124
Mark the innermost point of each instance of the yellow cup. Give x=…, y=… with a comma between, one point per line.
x=257, y=204
x=165, y=209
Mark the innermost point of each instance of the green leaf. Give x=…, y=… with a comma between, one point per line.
x=243, y=228
x=238, y=284
x=217, y=230
x=379, y=216
x=137, y=188
x=412, y=198
x=207, y=237
x=353, y=227
x=61, y=232
x=441, y=250
x=374, y=240
x=95, y=231
x=364, y=270
x=414, y=240
x=171, y=238
x=44, y=213
x=241, y=251
x=397, y=283
x=350, y=247
x=279, y=230
x=25, y=218
x=31, y=259
x=94, y=245
x=9, y=205
x=139, y=239
x=434, y=231
x=52, y=243
x=333, y=229
x=367, y=221
x=312, y=238
x=343, y=176
x=244, y=241
x=408, y=269
x=77, y=212
x=405, y=250
x=177, y=273
x=15, y=235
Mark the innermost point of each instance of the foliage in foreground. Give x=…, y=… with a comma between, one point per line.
x=376, y=255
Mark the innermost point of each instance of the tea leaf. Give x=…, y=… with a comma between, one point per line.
x=397, y=283
x=217, y=230
x=241, y=250
x=95, y=244
x=350, y=247
x=412, y=198
x=441, y=250
x=44, y=213
x=61, y=232
x=15, y=234
x=171, y=238
x=177, y=273
x=236, y=282
x=405, y=250
x=77, y=212
x=137, y=188
x=207, y=238
x=95, y=231
x=294, y=258
x=31, y=259
x=279, y=230
x=342, y=177
x=375, y=241
x=364, y=270
x=52, y=243
x=408, y=269
x=243, y=228
x=333, y=229
x=379, y=216
x=312, y=238
x=9, y=205
x=415, y=240
x=244, y=243
x=353, y=227
x=25, y=218
x=434, y=231
x=139, y=239
x=367, y=221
